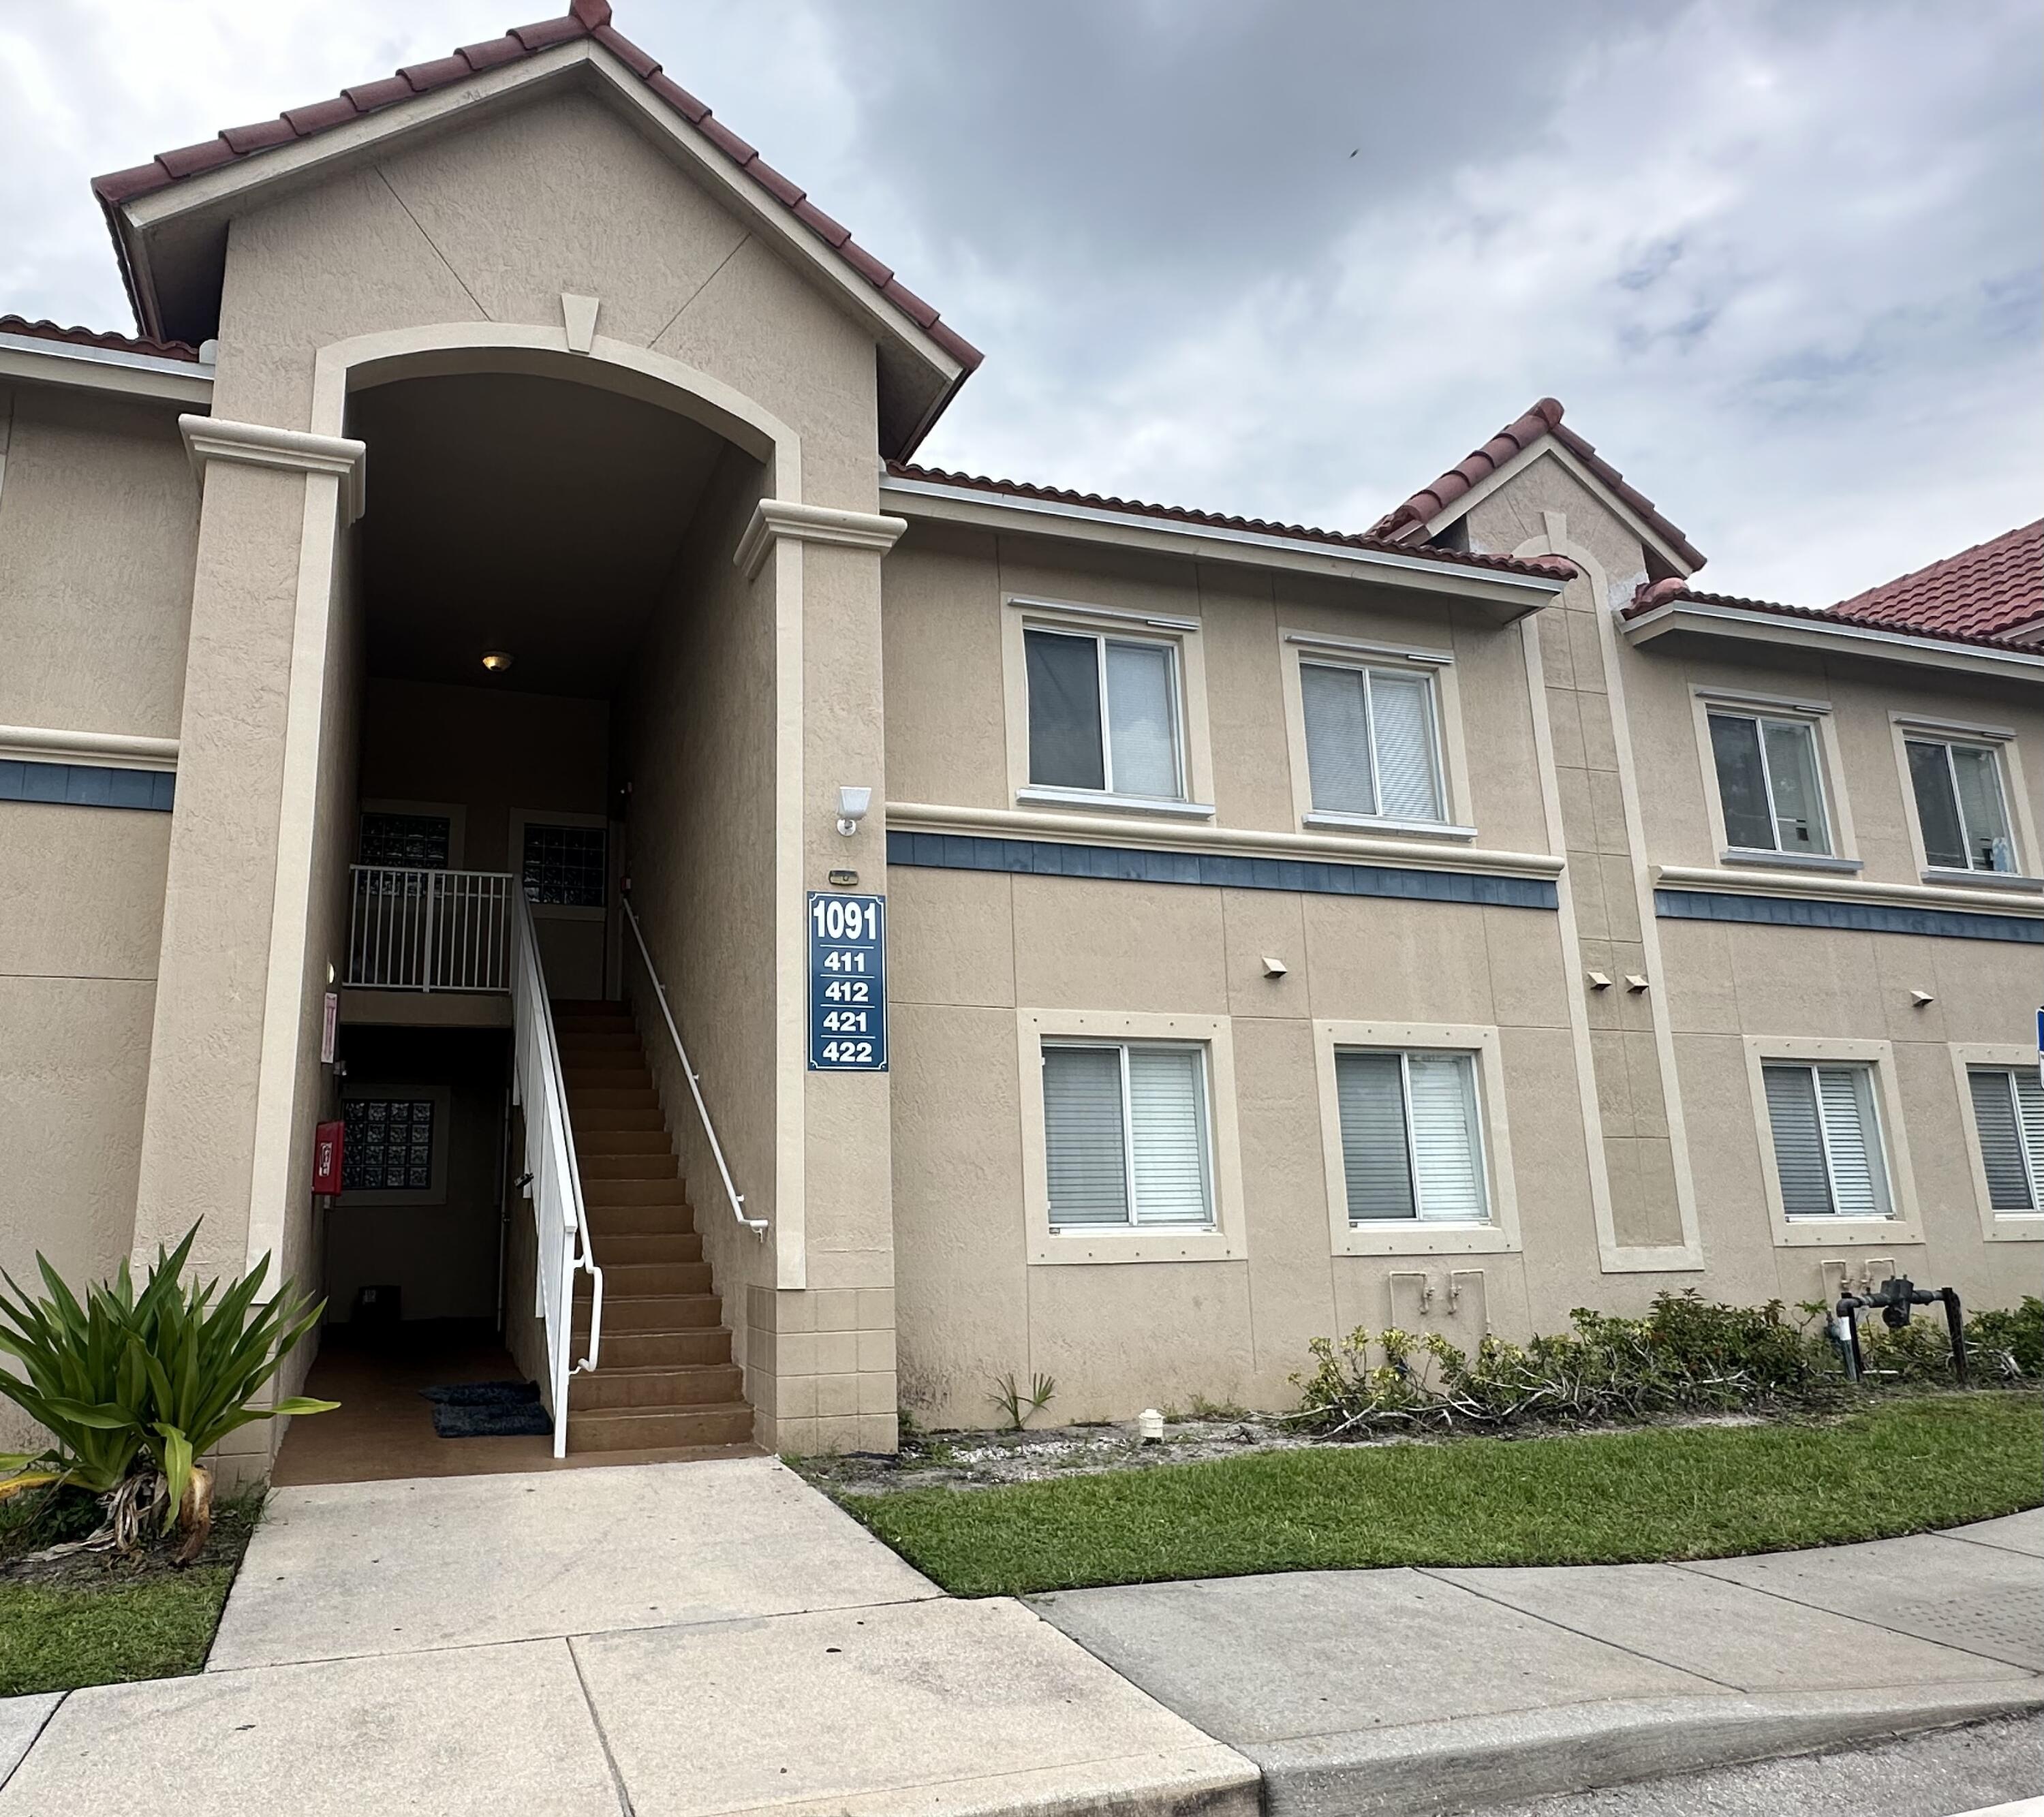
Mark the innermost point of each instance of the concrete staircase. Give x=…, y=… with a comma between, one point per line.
x=664, y=1377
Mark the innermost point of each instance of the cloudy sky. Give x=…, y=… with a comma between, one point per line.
x=1781, y=261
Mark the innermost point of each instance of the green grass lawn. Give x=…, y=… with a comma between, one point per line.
x=100, y=1620
x=1698, y=1491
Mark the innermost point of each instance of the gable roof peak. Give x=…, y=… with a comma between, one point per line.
x=585, y=19
x=1407, y=522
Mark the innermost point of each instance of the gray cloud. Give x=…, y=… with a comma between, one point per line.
x=1780, y=260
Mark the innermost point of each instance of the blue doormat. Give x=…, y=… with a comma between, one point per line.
x=488, y=1410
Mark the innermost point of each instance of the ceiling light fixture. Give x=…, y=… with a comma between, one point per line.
x=497, y=662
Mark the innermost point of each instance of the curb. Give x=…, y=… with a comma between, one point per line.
x=1416, y=1770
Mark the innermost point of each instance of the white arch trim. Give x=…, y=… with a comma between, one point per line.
x=359, y=363
x=367, y=360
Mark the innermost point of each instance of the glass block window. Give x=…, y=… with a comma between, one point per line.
x=564, y=865
x=418, y=841
x=387, y=1145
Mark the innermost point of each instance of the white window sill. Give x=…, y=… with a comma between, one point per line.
x=1819, y=1230
x=1150, y=1243
x=1099, y=800
x=1954, y=879
x=2017, y=1227
x=1411, y=1237
x=1746, y=856
x=1384, y=824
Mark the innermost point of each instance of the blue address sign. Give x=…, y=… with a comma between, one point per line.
x=847, y=982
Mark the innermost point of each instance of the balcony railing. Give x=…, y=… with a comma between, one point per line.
x=430, y=930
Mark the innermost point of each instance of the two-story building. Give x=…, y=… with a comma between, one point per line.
x=485, y=640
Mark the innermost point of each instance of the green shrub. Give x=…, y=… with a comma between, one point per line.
x=2009, y=1346
x=164, y=1375
x=1687, y=1355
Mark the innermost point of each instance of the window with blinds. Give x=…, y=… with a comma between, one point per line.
x=1411, y=1137
x=1960, y=808
x=1828, y=1143
x=1768, y=784
x=1103, y=713
x=2008, y=1113
x=1371, y=744
x=1125, y=1134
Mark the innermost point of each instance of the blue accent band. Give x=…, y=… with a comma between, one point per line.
x=1216, y=870
x=1863, y=917
x=86, y=785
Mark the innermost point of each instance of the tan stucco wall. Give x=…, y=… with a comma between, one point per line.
x=968, y=949
x=93, y=620
x=81, y=890
x=494, y=223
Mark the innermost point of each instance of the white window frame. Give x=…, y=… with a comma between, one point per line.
x=1299, y=647
x=1831, y=797
x=523, y=818
x=1499, y=1235
x=2003, y=1057
x=2014, y=801
x=1179, y=637
x=1830, y=1230
x=1223, y=1238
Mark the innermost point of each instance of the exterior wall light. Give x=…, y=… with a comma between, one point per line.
x=852, y=807
x=497, y=662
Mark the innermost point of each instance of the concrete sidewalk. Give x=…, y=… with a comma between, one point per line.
x=701, y=1639
x=1420, y=1692
x=679, y=1640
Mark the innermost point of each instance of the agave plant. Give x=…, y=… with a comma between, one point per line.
x=163, y=1375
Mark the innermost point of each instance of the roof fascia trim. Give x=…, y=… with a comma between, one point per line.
x=304, y=158
x=34, y=360
x=1551, y=445
x=963, y=505
x=1892, y=646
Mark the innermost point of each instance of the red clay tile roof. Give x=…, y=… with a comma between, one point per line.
x=1515, y=438
x=94, y=337
x=1992, y=588
x=584, y=19
x=1650, y=595
x=1547, y=568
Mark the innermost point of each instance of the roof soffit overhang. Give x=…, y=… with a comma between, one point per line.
x=1680, y=618
x=1502, y=598
x=1552, y=447
x=172, y=241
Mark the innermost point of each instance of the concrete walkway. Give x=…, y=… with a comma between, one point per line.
x=676, y=1640
x=701, y=1639
x=1420, y=1692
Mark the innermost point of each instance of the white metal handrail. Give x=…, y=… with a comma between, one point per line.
x=560, y=1225
x=414, y=929
x=736, y=1199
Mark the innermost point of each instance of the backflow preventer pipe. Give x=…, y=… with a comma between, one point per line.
x=1895, y=1296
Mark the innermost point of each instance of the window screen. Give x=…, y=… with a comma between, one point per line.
x=1960, y=806
x=2008, y=1112
x=387, y=1145
x=1125, y=1135
x=1827, y=1147
x=1768, y=784
x=1411, y=1135
x=1371, y=742
x=564, y=865
x=417, y=842
x=1103, y=714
